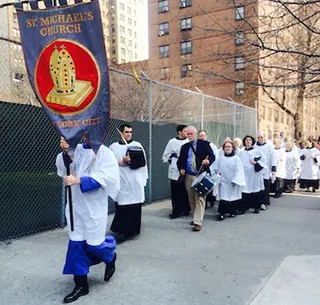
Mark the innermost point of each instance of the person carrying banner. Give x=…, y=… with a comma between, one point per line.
x=194, y=155
x=133, y=178
x=93, y=178
x=179, y=196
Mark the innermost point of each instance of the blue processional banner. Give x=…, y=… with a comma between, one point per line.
x=67, y=66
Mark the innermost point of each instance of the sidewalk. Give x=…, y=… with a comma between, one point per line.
x=272, y=258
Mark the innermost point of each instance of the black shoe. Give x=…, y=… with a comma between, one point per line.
x=256, y=211
x=110, y=269
x=221, y=217
x=173, y=216
x=277, y=195
x=233, y=215
x=77, y=292
x=240, y=212
x=121, y=238
x=313, y=190
x=191, y=223
x=186, y=213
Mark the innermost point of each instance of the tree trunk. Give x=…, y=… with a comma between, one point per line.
x=298, y=117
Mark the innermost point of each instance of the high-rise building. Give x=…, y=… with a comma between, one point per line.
x=128, y=30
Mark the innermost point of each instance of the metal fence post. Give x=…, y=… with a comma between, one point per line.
x=256, y=116
x=234, y=120
x=150, y=139
x=202, y=109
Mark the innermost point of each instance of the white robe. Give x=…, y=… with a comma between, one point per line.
x=254, y=180
x=268, y=151
x=232, y=177
x=281, y=163
x=132, y=181
x=90, y=209
x=216, y=155
x=309, y=168
x=173, y=147
x=292, y=165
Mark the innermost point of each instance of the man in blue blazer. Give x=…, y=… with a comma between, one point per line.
x=193, y=155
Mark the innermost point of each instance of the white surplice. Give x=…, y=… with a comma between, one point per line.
x=132, y=181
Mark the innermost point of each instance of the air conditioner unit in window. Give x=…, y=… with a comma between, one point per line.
x=161, y=33
x=240, y=92
x=183, y=4
x=165, y=9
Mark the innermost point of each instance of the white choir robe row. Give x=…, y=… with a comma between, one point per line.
x=173, y=146
x=90, y=212
x=232, y=177
x=132, y=182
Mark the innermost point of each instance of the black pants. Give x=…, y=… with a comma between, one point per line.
x=251, y=200
x=290, y=185
x=228, y=207
x=265, y=198
x=179, y=197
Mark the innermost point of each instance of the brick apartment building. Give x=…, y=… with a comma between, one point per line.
x=192, y=43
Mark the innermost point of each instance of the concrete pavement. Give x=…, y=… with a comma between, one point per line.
x=268, y=259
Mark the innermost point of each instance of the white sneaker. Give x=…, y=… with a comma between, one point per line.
x=263, y=207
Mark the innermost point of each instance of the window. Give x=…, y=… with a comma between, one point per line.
x=282, y=118
x=164, y=51
x=239, y=88
x=18, y=77
x=129, y=10
x=16, y=33
x=163, y=29
x=113, y=51
x=135, y=55
x=269, y=114
x=14, y=17
x=185, y=24
x=135, y=34
x=163, y=6
x=135, y=23
x=134, y=13
x=287, y=119
x=239, y=63
x=130, y=32
x=17, y=47
x=129, y=21
x=239, y=38
x=123, y=61
x=122, y=6
x=122, y=39
x=122, y=29
x=123, y=51
x=130, y=43
x=185, y=3
x=135, y=45
x=276, y=116
x=186, y=47
x=164, y=73
x=239, y=12
x=130, y=54
x=122, y=18
x=186, y=70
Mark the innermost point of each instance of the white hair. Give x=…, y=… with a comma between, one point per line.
x=193, y=128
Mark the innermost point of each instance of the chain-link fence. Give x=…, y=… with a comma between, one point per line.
x=32, y=196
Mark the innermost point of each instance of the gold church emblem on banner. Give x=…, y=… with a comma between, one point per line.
x=67, y=90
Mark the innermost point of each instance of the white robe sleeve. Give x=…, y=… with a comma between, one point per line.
x=239, y=177
x=167, y=152
x=61, y=169
x=106, y=172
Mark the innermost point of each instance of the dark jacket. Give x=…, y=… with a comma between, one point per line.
x=203, y=150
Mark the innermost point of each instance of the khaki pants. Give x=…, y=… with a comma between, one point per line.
x=197, y=202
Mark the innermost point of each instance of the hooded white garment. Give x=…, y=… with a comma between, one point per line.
x=281, y=162
x=90, y=209
x=132, y=181
x=254, y=180
x=268, y=150
x=232, y=177
x=292, y=165
x=309, y=168
x=173, y=147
